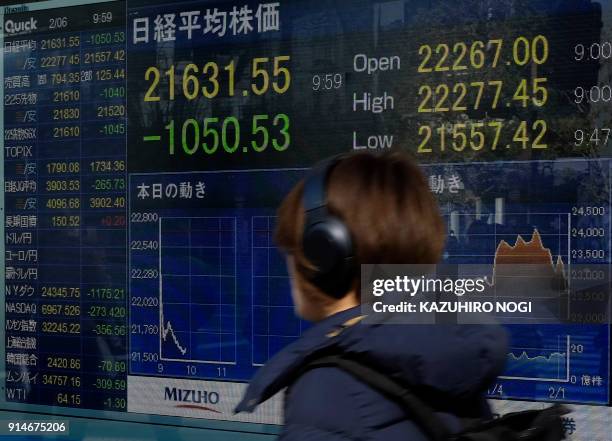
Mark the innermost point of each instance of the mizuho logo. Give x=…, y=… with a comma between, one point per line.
x=191, y=398
x=12, y=27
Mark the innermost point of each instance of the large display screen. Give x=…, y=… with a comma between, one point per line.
x=147, y=145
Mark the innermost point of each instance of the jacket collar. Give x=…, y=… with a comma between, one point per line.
x=278, y=371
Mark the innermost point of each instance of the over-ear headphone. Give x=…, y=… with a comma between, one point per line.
x=326, y=241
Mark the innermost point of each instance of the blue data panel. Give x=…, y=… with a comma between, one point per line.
x=238, y=297
x=556, y=216
x=211, y=296
x=65, y=206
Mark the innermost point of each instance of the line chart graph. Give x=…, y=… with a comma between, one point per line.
x=197, y=290
x=540, y=363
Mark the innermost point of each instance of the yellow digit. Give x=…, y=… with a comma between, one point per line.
x=539, y=88
x=231, y=73
x=424, y=131
x=278, y=70
x=442, y=92
x=170, y=73
x=498, y=88
x=211, y=65
x=189, y=79
x=539, y=58
x=537, y=142
x=521, y=43
x=477, y=55
x=480, y=85
x=520, y=135
x=521, y=93
x=477, y=137
x=259, y=72
x=427, y=52
x=150, y=95
x=442, y=132
x=461, y=90
x=445, y=50
x=498, y=128
x=498, y=47
x=428, y=93
x=459, y=132
x=462, y=49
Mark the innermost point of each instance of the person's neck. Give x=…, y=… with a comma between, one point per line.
x=347, y=302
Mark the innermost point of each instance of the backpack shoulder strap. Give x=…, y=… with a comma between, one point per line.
x=420, y=412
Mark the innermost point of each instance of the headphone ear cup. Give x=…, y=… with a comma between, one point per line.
x=328, y=246
x=326, y=240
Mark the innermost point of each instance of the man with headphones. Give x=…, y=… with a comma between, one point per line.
x=368, y=209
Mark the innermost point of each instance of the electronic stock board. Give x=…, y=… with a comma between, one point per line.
x=147, y=145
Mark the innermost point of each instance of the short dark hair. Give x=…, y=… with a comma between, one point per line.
x=386, y=203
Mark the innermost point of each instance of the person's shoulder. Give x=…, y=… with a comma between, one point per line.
x=329, y=398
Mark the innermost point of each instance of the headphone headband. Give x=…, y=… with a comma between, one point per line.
x=315, y=185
